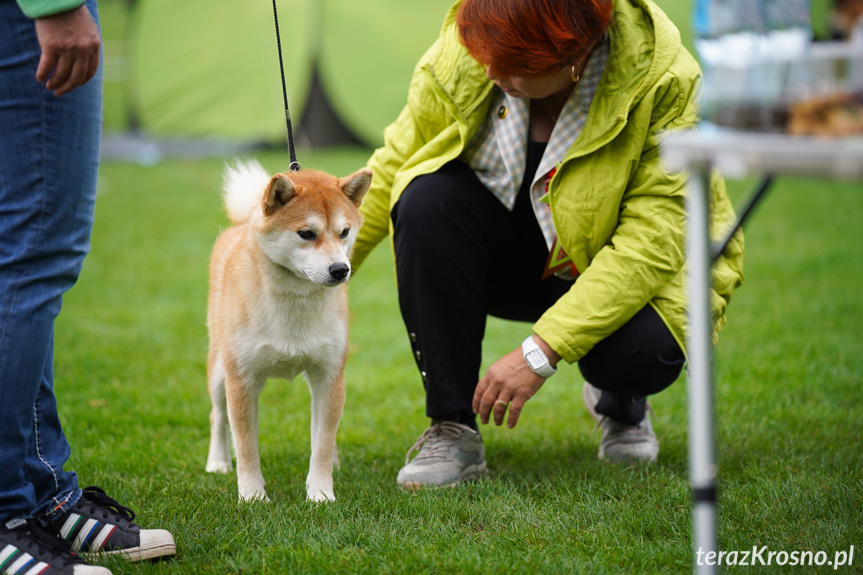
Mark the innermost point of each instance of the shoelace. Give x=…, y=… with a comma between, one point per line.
x=99, y=501
x=437, y=440
x=54, y=547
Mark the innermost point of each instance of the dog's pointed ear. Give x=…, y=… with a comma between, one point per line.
x=279, y=192
x=356, y=185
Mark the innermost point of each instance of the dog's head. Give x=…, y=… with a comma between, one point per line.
x=310, y=222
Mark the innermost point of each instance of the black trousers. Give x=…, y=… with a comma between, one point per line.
x=461, y=256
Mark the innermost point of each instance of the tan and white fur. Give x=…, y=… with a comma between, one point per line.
x=278, y=308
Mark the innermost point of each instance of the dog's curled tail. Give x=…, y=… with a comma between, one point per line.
x=243, y=188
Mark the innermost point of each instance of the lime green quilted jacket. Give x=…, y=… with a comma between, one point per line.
x=618, y=213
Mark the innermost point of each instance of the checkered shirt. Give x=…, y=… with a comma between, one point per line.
x=498, y=151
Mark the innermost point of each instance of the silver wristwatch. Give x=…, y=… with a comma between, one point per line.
x=536, y=359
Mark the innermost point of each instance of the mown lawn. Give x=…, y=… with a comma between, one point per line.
x=131, y=349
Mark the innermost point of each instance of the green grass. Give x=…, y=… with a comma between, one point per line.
x=130, y=369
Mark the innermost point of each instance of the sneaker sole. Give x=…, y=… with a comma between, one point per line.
x=632, y=460
x=162, y=545
x=469, y=473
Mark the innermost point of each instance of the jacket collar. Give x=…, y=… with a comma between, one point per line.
x=644, y=43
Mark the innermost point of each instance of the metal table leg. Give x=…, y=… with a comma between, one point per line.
x=700, y=375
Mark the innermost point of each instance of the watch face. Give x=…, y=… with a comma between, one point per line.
x=534, y=359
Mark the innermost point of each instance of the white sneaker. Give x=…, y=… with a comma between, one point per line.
x=449, y=453
x=620, y=442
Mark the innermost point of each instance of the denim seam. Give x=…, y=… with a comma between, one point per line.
x=38, y=449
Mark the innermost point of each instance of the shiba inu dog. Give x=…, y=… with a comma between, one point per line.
x=278, y=308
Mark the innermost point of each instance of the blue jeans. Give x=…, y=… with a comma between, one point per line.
x=49, y=158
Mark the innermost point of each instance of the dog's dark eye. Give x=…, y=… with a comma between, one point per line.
x=307, y=235
x=345, y=233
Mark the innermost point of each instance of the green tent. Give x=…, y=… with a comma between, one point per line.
x=209, y=68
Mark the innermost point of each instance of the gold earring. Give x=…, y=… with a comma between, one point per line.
x=572, y=74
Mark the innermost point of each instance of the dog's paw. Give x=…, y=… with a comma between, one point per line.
x=320, y=496
x=219, y=467
x=254, y=496
x=319, y=489
x=251, y=487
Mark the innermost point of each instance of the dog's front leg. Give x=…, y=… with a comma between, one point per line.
x=219, y=457
x=328, y=401
x=242, y=393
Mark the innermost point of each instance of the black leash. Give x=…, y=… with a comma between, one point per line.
x=756, y=196
x=295, y=165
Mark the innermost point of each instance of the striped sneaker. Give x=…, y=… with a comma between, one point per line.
x=26, y=549
x=99, y=525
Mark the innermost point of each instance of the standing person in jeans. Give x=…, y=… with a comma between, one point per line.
x=523, y=180
x=51, y=117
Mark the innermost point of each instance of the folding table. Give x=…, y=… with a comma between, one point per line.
x=735, y=154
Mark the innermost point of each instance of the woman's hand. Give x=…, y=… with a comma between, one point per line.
x=509, y=379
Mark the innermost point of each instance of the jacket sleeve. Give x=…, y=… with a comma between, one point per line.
x=644, y=252
x=41, y=8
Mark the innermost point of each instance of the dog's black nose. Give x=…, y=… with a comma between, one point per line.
x=339, y=271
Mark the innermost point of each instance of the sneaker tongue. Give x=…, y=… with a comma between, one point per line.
x=436, y=441
x=452, y=429
x=436, y=446
x=101, y=499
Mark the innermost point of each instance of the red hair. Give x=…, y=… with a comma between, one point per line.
x=530, y=38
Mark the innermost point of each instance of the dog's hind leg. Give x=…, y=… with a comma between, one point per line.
x=328, y=401
x=219, y=458
x=242, y=394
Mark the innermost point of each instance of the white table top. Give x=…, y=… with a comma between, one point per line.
x=738, y=153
